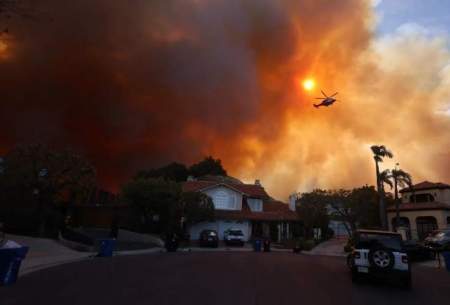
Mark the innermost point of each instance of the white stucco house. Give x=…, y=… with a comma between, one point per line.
x=424, y=207
x=242, y=206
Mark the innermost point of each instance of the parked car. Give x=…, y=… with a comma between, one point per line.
x=416, y=251
x=233, y=236
x=438, y=240
x=209, y=238
x=379, y=255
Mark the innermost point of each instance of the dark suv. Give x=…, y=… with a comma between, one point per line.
x=209, y=238
x=379, y=255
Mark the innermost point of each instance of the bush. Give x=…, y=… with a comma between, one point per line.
x=19, y=221
x=303, y=244
x=349, y=246
x=309, y=244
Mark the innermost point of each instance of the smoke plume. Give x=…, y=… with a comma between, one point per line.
x=136, y=84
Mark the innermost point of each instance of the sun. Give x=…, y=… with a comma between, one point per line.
x=308, y=84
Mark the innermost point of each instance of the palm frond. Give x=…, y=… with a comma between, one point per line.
x=403, y=178
x=381, y=151
x=385, y=177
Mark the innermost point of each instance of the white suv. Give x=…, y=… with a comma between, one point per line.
x=233, y=236
x=379, y=254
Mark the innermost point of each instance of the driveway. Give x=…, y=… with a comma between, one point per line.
x=217, y=278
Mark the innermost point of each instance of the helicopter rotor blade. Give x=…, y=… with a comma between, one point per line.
x=323, y=93
x=319, y=98
x=333, y=94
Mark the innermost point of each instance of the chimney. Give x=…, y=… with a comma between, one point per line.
x=292, y=200
x=257, y=182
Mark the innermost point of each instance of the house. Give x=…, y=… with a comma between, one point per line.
x=424, y=207
x=242, y=206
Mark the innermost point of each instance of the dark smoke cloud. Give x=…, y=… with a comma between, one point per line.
x=135, y=84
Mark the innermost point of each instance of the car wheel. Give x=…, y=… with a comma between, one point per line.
x=381, y=258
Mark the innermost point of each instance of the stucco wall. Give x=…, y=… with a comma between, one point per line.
x=221, y=226
x=233, y=197
x=439, y=195
x=440, y=215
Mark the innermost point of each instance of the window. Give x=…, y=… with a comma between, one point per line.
x=255, y=205
x=427, y=197
x=448, y=221
x=224, y=201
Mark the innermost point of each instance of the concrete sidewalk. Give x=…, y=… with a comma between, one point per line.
x=44, y=253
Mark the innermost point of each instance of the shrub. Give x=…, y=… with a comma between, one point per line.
x=349, y=246
x=308, y=244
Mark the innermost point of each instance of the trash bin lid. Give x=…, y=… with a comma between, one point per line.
x=10, y=244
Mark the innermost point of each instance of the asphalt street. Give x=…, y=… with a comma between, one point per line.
x=217, y=278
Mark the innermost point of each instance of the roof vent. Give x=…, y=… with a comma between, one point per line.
x=191, y=178
x=257, y=182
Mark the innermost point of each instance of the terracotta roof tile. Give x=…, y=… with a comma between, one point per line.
x=251, y=190
x=426, y=185
x=272, y=210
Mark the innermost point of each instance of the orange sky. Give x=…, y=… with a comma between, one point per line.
x=136, y=86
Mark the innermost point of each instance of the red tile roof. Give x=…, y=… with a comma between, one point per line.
x=272, y=211
x=421, y=206
x=251, y=190
x=426, y=185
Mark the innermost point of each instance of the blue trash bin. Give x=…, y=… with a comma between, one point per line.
x=106, y=247
x=446, y=255
x=257, y=245
x=10, y=260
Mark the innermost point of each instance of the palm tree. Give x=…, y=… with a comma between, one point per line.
x=402, y=179
x=379, y=152
x=385, y=178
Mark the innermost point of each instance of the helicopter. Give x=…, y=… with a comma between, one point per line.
x=326, y=100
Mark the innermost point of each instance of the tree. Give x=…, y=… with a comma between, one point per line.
x=402, y=179
x=354, y=208
x=208, y=166
x=312, y=211
x=173, y=171
x=35, y=175
x=195, y=207
x=163, y=199
x=152, y=198
x=362, y=204
x=380, y=152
